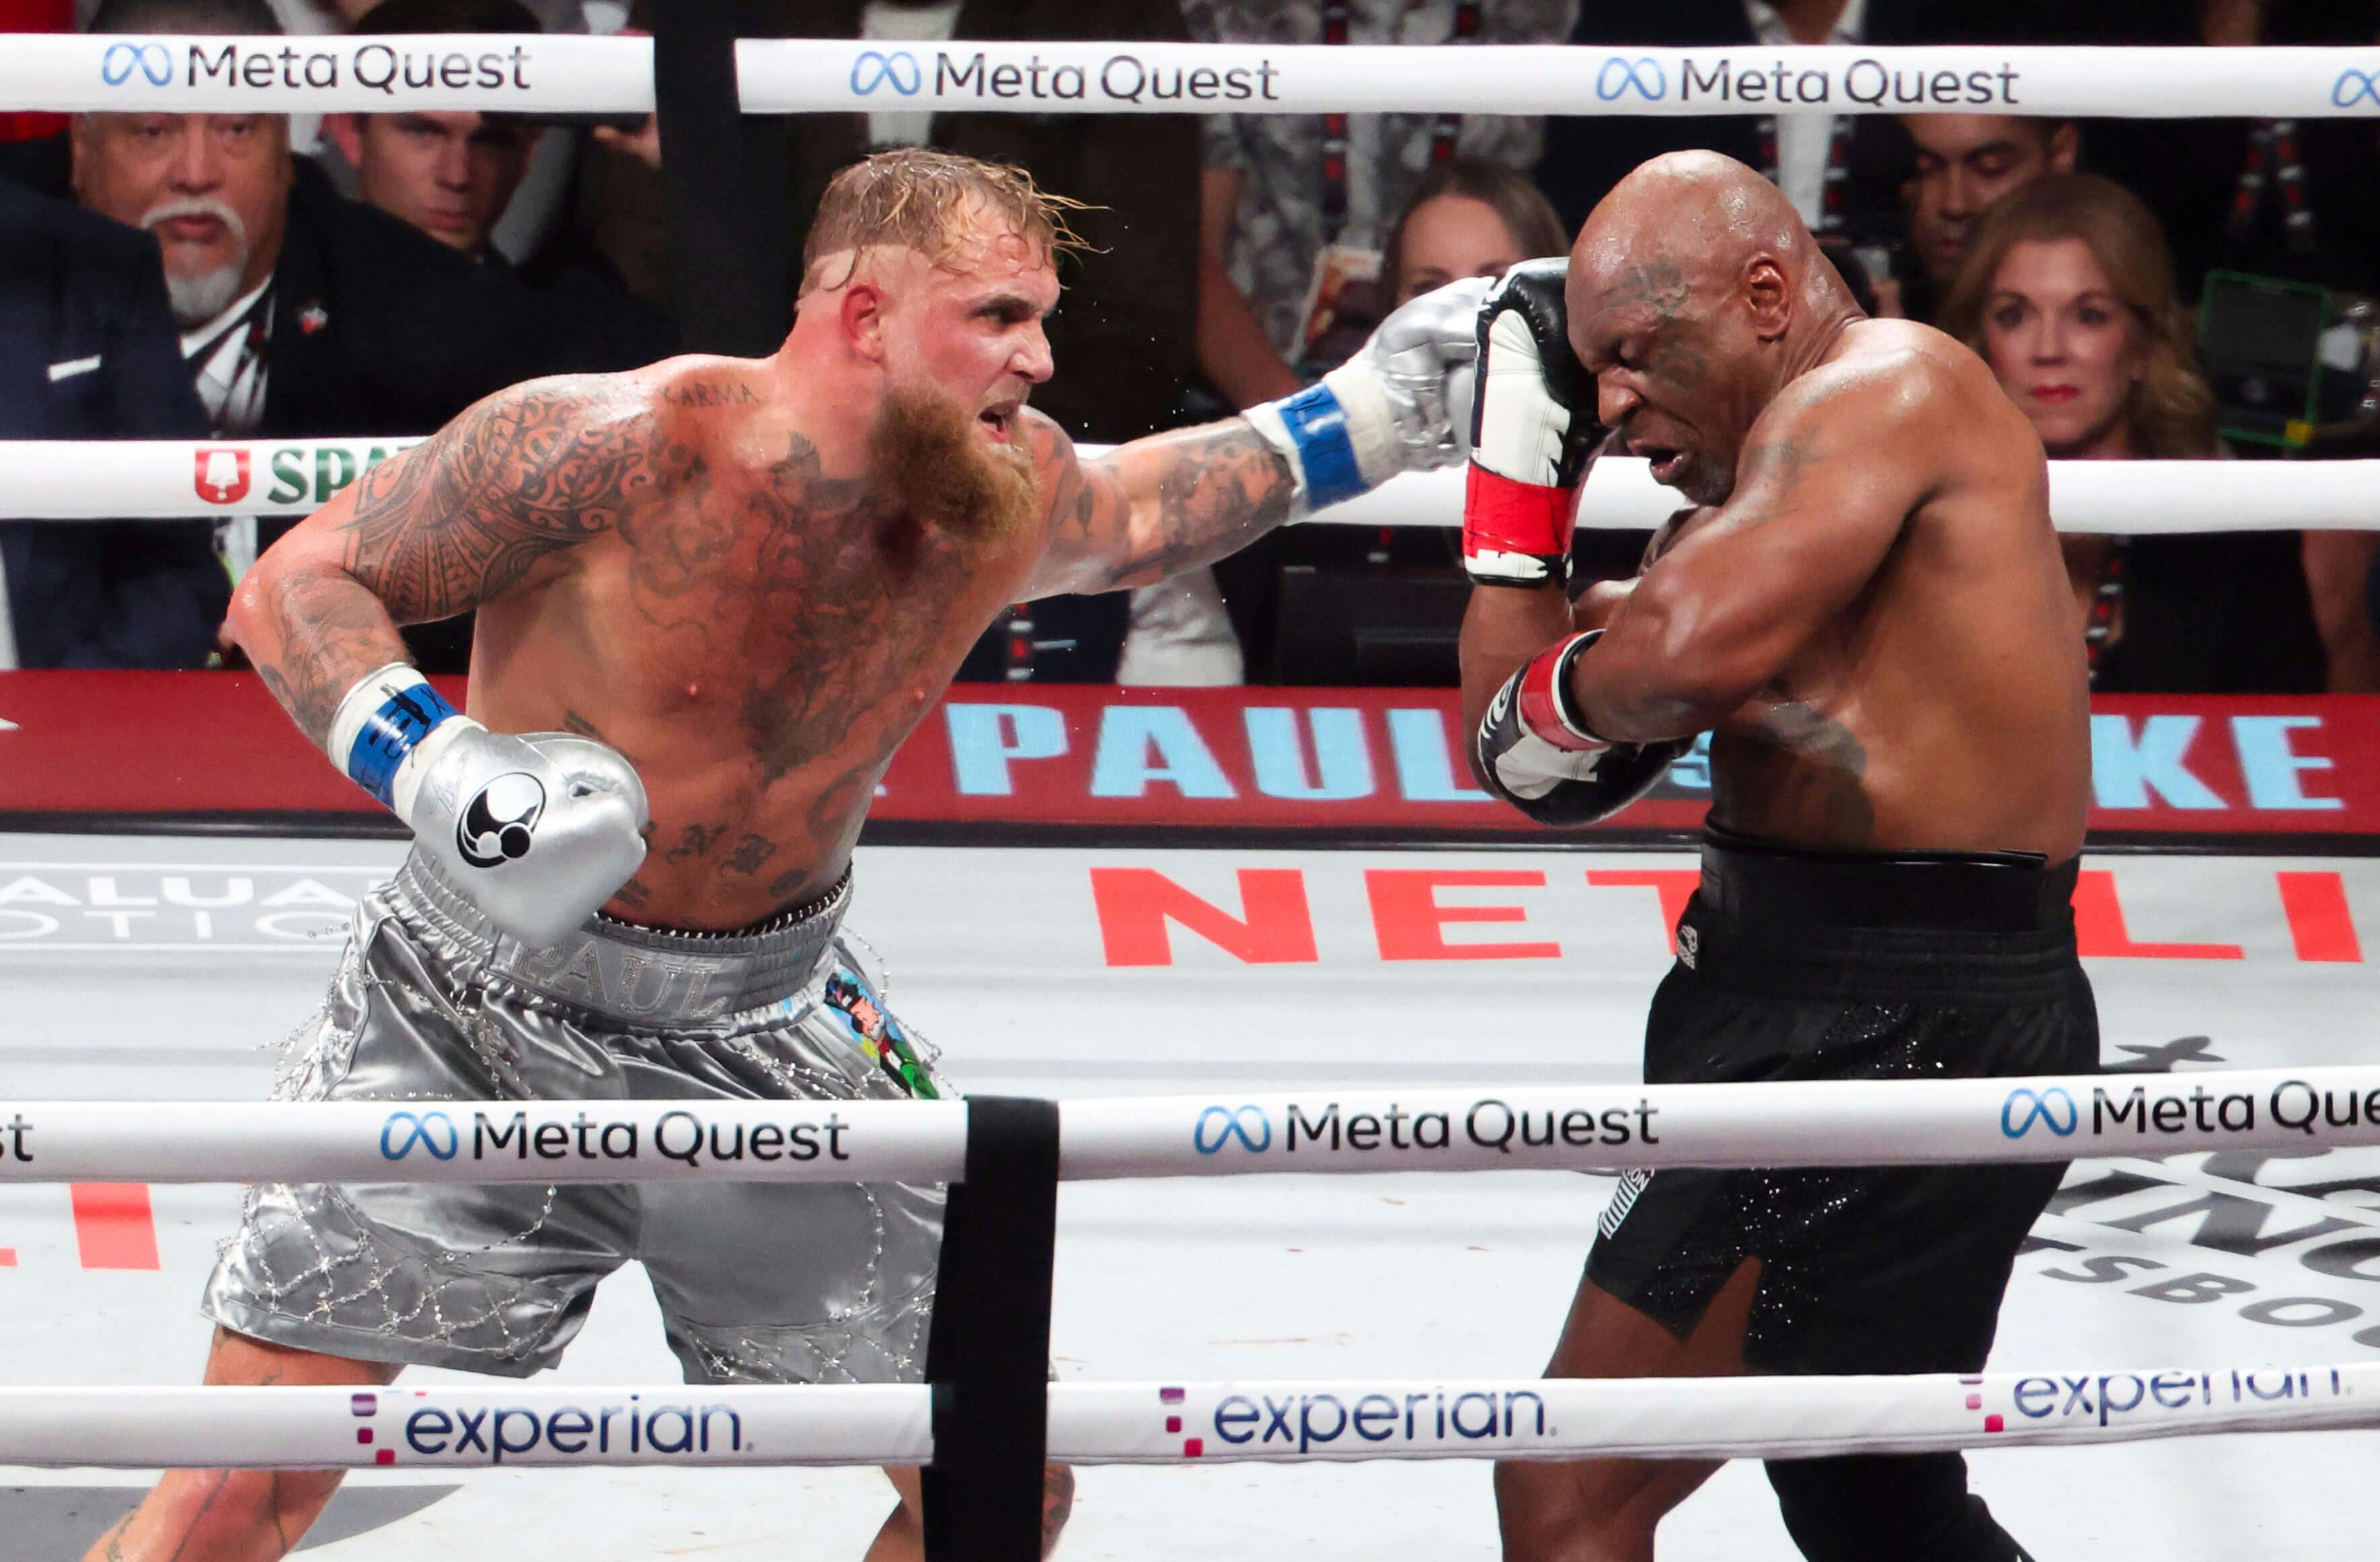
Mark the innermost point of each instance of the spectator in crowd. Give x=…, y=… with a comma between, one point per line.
x=2068, y=292
x=2286, y=200
x=1842, y=172
x=1295, y=212
x=1963, y=163
x=89, y=350
x=449, y=173
x=453, y=176
x=1467, y=217
x=303, y=314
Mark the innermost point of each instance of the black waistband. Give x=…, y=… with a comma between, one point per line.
x=1754, y=883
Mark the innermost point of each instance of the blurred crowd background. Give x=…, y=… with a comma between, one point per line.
x=2144, y=289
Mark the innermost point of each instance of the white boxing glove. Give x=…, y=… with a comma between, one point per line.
x=1402, y=403
x=539, y=831
x=1534, y=436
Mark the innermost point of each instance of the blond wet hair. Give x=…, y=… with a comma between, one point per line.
x=932, y=202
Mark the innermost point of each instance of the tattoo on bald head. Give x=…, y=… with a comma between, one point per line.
x=1660, y=285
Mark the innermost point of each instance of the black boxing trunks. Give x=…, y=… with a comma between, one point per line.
x=1809, y=965
x=1805, y=966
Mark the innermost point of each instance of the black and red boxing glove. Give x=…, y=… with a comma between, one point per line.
x=1533, y=432
x=1535, y=753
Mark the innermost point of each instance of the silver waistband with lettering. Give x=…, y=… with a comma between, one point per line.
x=646, y=977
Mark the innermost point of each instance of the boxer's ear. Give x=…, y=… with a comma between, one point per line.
x=1768, y=294
x=860, y=311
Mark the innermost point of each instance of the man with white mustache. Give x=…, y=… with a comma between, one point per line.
x=214, y=190
x=304, y=314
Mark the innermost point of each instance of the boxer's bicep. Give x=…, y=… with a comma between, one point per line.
x=525, y=472
x=437, y=530
x=1161, y=505
x=1826, y=484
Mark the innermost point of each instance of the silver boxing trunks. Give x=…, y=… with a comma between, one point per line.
x=760, y=1282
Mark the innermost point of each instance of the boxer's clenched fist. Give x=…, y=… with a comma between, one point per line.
x=1533, y=434
x=1402, y=403
x=1537, y=754
x=539, y=831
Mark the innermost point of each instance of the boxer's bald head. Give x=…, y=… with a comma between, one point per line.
x=1695, y=292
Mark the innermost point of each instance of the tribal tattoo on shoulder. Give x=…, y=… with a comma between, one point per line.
x=455, y=522
x=458, y=520
x=528, y=472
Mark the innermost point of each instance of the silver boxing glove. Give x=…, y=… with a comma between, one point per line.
x=1402, y=403
x=539, y=831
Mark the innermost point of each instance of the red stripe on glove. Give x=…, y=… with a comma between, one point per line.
x=1502, y=515
x=1544, y=703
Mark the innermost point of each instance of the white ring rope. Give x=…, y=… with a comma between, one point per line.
x=811, y=75
x=529, y=73
x=1295, y=1421
x=162, y=479
x=515, y=73
x=1817, y=1122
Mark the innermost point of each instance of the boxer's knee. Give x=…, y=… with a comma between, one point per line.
x=1888, y=1508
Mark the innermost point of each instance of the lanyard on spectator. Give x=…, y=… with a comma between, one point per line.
x=255, y=326
x=2273, y=157
x=1336, y=15
x=1839, y=149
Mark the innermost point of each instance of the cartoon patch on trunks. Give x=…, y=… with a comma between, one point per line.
x=878, y=1033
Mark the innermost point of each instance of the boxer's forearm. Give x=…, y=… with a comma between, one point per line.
x=1503, y=627
x=1161, y=505
x=312, y=631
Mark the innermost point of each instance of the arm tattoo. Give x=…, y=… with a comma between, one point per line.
x=532, y=470
x=1159, y=507
x=451, y=524
x=323, y=633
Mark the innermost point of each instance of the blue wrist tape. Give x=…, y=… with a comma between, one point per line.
x=1318, y=424
x=390, y=733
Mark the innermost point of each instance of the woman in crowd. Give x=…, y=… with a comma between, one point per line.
x=1468, y=217
x=2067, y=290
x=1342, y=605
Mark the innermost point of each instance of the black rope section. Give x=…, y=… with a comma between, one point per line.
x=987, y=1356
x=728, y=178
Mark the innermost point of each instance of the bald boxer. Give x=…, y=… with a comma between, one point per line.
x=1865, y=608
x=714, y=595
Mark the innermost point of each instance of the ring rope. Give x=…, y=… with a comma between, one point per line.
x=1810, y=1123
x=1291, y=1421
x=162, y=479
x=530, y=73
